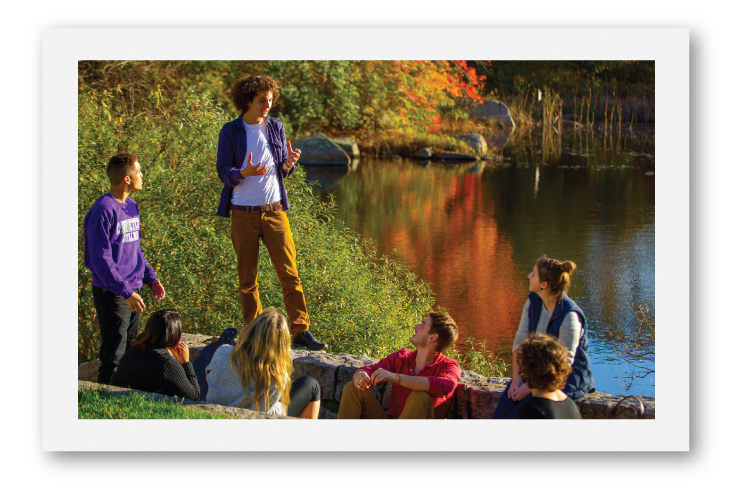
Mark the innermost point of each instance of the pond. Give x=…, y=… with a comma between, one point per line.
x=475, y=230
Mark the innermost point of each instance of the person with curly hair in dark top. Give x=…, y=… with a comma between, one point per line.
x=543, y=364
x=157, y=361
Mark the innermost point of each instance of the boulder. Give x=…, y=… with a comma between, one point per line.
x=317, y=149
x=476, y=397
x=500, y=140
x=424, y=153
x=88, y=372
x=475, y=141
x=349, y=146
x=328, y=369
x=602, y=405
x=494, y=110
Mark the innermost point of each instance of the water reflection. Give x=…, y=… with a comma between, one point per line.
x=477, y=168
x=326, y=177
x=475, y=230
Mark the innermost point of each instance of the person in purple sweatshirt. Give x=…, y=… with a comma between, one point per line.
x=112, y=251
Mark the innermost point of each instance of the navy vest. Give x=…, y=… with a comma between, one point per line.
x=580, y=382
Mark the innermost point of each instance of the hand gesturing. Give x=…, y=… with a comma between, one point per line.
x=291, y=155
x=252, y=170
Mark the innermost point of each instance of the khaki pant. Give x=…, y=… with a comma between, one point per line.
x=248, y=229
x=356, y=404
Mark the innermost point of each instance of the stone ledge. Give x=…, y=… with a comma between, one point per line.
x=475, y=398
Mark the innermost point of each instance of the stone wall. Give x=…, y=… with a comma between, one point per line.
x=475, y=398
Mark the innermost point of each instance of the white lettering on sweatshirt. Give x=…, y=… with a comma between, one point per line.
x=129, y=228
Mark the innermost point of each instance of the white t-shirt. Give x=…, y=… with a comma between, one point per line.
x=257, y=189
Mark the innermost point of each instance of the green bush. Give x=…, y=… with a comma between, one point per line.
x=480, y=360
x=358, y=302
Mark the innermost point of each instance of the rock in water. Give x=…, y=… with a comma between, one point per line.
x=317, y=149
x=349, y=146
x=474, y=141
x=495, y=110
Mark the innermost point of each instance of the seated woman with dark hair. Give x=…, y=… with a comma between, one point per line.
x=157, y=361
x=543, y=364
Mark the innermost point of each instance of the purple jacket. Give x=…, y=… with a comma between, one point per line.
x=112, y=246
x=231, y=154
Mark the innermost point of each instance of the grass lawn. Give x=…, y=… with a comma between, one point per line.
x=102, y=404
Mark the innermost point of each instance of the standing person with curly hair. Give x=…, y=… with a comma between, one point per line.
x=550, y=310
x=256, y=373
x=543, y=364
x=157, y=361
x=255, y=196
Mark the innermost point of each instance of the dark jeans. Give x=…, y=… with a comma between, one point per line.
x=304, y=391
x=118, y=326
x=507, y=407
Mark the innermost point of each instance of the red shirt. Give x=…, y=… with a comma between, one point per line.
x=443, y=375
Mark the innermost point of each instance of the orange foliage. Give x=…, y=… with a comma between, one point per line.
x=428, y=85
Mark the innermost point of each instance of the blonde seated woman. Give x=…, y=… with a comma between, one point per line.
x=256, y=372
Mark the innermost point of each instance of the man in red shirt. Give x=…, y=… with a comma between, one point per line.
x=423, y=380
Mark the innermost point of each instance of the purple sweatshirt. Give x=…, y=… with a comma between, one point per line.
x=112, y=246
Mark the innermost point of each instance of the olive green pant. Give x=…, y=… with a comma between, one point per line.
x=356, y=404
x=248, y=229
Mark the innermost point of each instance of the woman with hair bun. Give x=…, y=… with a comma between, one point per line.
x=549, y=310
x=157, y=361
x=256, y=373
x=543, y=364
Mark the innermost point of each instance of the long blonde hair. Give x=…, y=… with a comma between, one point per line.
x=262, y=355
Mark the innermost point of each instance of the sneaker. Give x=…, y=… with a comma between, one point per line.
x=307, y=341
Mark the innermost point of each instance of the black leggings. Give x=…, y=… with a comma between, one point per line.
x=304, y=391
